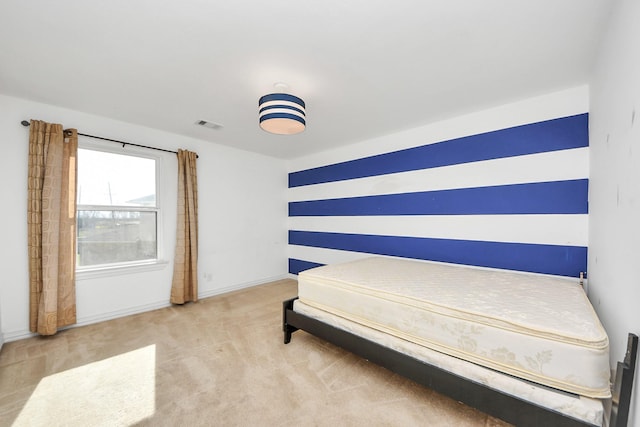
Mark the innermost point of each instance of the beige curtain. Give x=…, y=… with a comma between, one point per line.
x=52, y=226
x=184, y=287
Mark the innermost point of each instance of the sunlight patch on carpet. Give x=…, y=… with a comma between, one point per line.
x=119, y=390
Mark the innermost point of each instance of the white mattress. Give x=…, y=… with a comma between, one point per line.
x=539, y=328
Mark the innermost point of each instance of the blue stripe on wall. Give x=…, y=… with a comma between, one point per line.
x=298, y=265
x=559, y=197
x=546, y=259
x=552, y=135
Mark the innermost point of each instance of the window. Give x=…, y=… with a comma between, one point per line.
x=117, y=209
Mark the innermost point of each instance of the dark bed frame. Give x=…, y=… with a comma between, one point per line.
x=488, y=400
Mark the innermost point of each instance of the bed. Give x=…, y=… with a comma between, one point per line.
x=528, y=349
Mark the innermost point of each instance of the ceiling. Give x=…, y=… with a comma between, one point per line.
x=364, y=67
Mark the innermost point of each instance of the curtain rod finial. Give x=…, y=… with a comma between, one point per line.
x=25, y=123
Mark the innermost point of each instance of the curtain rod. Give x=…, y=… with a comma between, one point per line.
x=26, y=123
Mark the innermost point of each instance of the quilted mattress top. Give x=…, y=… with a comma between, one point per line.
x=547, y=306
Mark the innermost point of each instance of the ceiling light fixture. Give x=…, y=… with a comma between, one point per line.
x=282, y=113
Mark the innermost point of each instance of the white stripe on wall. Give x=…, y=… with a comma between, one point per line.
x=543, y=167
x=538, y=229
x=562, y=103
x=324, y=256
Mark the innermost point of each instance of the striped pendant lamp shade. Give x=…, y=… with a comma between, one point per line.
x=282, y=114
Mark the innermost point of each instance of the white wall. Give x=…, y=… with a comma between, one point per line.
x=614, y=227
x=1, y=334
x=242, y=216
x=544, y=107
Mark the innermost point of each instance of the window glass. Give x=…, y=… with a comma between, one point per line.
x=115, y=179
x=117, y=209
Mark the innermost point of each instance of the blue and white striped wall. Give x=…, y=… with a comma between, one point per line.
x=512, y=198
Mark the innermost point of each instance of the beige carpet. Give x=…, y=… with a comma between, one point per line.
x=221, y=362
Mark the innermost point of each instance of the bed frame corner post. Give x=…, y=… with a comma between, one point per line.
x=286, y=327
x=621, y=399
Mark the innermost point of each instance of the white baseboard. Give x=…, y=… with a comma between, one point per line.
x=17, y=335
x=239, y=286
x=88, y=320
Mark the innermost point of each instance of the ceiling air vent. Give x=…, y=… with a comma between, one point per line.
x=208, y=124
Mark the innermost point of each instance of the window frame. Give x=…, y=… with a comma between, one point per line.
x=113, y=269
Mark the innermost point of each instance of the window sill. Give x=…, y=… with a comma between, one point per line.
x=119, y=270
